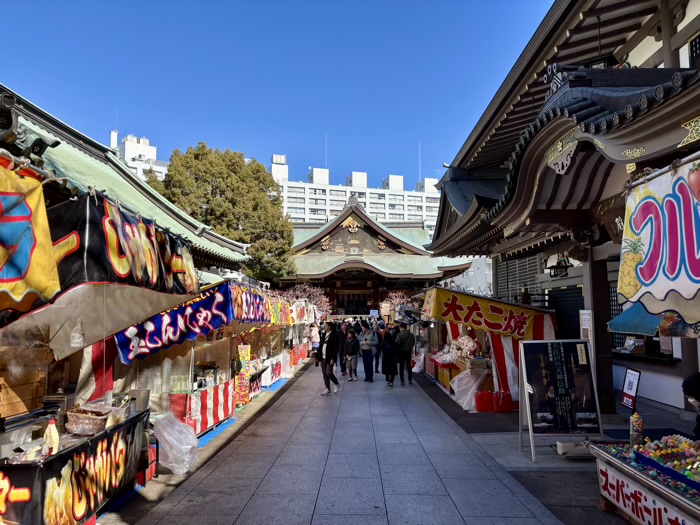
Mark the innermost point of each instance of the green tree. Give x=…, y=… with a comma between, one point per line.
x=238, y=199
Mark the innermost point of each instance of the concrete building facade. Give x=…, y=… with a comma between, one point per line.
x=319, y=201
x=139, y=154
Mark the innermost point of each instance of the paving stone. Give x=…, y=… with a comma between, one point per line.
x=352, y=466
x=348, y=519
x=411, y=479
x=508, y=521
x=354, y=428
x=395, y=436
x=284, y=509
x=244, y=466
x=459, y=466
x=303, y=455
x=401, y=454
x=485, y=498
x=345, y=444
x=291, y=479
x=350, y=496
x=411, y=510
x=216, y=497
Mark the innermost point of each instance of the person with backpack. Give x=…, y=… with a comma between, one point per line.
x=352, y=349
x=405, y=342
x=368, y=345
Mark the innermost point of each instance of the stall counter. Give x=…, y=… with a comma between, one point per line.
x=71, y=486
x=641, y=497
x=207, y=407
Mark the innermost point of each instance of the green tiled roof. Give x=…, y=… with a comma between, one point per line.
x=84, y=171
x=209, y=278
x=389, y=264
x=300, y=235
x=417, y=238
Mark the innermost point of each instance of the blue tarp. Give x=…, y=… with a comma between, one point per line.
x=636, y=320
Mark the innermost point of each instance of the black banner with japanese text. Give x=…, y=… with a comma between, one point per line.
x=95, y=240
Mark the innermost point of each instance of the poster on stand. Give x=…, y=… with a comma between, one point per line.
x=562, y=396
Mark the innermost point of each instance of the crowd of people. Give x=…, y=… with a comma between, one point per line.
x=378, y=344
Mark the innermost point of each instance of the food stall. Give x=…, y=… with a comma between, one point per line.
x=67, y=274
x=477, y=336
x=194, y=379
x=656, y=482
x=276, y=341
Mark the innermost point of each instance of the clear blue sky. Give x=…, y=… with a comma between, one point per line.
x=266, y=77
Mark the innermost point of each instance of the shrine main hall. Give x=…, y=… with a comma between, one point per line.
x=359, y=261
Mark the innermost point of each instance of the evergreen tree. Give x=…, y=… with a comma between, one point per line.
x=238, y=200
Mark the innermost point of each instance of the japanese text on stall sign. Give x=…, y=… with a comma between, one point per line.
x=480, y=314
x=636, y=502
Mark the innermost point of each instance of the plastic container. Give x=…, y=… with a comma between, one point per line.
x=88, y=421
x=483, y=401
x=502, y=402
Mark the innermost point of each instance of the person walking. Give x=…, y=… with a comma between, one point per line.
x=315, y=339
x=352, y=349
x=343, y=341
x=357, y=326
x=329, y=356
x=388, y=352
x=381, y=329
x=368, y=344
x=405, y=342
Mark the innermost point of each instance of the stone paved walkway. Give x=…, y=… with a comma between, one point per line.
x=369, y=455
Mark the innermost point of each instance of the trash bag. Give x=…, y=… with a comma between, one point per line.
x=178, y=444
x=465, y=386
x=420, y=362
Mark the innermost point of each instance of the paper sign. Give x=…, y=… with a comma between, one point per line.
x=629, y=388
x=581, y=349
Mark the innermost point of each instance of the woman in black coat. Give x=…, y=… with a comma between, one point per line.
x=329, y=356
x=389, y=355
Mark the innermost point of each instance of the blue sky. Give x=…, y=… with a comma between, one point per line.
x=266, y=77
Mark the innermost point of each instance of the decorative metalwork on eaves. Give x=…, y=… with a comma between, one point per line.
x=634, y=152
x=631, y=167
x=599, y=144
x=693, y=127
x=604, y=122
x=565, y=142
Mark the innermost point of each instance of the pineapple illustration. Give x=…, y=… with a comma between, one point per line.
x=632, y=255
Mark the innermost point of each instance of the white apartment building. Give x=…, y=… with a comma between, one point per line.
x=138, y=154
x=319, y=201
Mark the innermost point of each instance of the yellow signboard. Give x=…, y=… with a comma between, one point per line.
x=480, y=313
x=28, y=271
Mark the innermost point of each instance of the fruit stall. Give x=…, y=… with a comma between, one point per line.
x=473, y=346
x=657, y=482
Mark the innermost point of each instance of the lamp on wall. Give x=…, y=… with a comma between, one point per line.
x=561, y=267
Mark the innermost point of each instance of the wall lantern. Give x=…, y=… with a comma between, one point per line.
x=561, y=267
